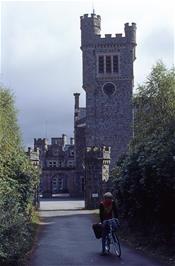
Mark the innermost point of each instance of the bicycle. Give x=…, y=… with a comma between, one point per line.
x=111, y=237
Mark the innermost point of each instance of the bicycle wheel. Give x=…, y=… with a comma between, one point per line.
x=116, y=244
x=107, y=245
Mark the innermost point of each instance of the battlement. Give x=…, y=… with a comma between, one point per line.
x=88, y=16
x=108, y=37
x=95, y=149
x=118, y=35
x=91, y=27
x=130, y=32
x=30, y=150
x=60, y=141
x=98, y=152
x=40, y=141
x=33, y=155
x=133, y=24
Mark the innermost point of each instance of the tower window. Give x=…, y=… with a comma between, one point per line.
x=108, y=64
x=115, y=63
x=101, y=64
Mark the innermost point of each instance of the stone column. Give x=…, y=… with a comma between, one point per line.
x=97, y=162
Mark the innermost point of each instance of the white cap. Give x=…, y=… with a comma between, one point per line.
x=108, y=195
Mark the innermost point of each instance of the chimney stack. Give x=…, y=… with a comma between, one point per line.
x=76, y=95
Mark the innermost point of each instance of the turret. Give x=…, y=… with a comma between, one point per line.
x=90, y=26
x=42, y=144
x=130, y=32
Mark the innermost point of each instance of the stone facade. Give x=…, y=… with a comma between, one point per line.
x=108, y=83
x=97, y=161
x=57, y=163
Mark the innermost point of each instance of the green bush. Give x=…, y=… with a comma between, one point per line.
x=18, y=182
x=13, y=222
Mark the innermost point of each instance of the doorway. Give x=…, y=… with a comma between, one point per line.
x=59, y=184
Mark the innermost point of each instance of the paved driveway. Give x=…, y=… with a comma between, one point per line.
x=66, y=239
x=61, y=204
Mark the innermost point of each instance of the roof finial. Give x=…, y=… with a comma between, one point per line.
x=93, y=10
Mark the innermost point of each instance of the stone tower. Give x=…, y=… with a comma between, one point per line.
x=108, y=83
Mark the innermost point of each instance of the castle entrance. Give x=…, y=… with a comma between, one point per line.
x=59, y=184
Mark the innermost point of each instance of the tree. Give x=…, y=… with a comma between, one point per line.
x=144, y=178
x=154, y=103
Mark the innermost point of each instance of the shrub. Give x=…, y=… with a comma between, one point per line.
x=18, y=182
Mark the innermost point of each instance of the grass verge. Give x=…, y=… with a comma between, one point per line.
x=34, y=229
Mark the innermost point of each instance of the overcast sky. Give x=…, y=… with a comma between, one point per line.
x=41, y=57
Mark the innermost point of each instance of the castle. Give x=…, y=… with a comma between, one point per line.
x=107, y=119
x=57, y=163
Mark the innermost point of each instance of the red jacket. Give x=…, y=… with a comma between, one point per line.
x=108, y=210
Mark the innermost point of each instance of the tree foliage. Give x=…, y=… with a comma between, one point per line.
x=18, y=180
x=144, y=177
x=154, y=103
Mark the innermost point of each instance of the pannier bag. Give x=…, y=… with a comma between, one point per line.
x=97, y=228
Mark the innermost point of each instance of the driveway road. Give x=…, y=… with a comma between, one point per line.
x=66, y=239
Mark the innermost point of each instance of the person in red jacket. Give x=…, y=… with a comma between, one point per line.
x=107, y=210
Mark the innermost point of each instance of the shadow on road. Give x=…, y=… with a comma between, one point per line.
x=61, y=213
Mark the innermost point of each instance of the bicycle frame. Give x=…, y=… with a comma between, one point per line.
x=111, y=237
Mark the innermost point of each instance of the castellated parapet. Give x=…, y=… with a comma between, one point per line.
x=91, y=28
x=98, y=153
x=41, y=143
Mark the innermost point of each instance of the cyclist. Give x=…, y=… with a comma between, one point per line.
x=107, y=210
